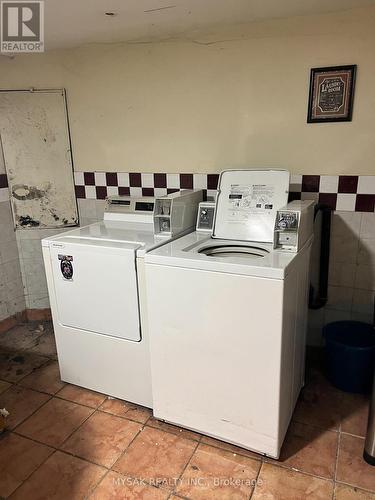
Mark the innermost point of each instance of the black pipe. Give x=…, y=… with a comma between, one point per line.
x=320, y=300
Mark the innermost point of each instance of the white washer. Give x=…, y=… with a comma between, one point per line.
x=228, y=319
x=95, y=277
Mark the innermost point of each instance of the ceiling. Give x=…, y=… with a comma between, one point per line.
x=70, y=23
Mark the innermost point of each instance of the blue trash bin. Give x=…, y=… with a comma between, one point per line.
x=350, y=355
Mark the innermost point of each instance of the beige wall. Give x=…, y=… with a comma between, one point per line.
x=237, y=98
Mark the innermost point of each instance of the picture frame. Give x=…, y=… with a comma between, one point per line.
x=331, y=94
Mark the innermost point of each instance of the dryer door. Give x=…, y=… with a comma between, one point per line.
x=96, y=287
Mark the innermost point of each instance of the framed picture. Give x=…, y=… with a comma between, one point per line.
x=331, y=94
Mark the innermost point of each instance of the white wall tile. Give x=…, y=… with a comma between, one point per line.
x=367, y=229
x=329, y=183
x=341, y=274
x=346, y=224
x=363, y=302
x=365, y=277
x=112, y=191
x=79, y=179
x=200, y=181
x=340, y=298
x=366, y=184
x=135, y=191
x=160, y=191
x=346, y=201
x=344, y=248
x=147, y=180
x=100, y=179
x=90, y=192
x=123, y=179
x=173, y=181
x=366, y=252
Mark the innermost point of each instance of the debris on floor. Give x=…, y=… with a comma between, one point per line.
x=3, y=419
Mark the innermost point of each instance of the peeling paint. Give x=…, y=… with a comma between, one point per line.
x=26, y=220
x=24, y=192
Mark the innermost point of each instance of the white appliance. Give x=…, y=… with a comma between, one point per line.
x=95, y=277
x=227, y=318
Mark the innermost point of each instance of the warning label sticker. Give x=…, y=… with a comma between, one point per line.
x=244, y=201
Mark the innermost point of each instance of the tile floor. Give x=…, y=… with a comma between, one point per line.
x=65, y=442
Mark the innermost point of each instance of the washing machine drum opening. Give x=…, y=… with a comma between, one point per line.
x=234, y=251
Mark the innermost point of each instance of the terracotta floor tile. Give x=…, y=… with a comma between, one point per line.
x=283, y=484
x=156, y=456
x=319, y=405
x=44, y=379
x=54, y=422
x=351, y=468
x=343, y=492
x=19, y=457
x=21, y=403
x=117, y=487
x=174, y=429
x=61, y=477
x=124, y=409
x=354, y=414
x=102, y=438
x=20, y=337
x=4, y=385
x=214, y=473
x=230, y=447
x=81, y=396
x=45, y=345
x=309, y=449
x=14, y=366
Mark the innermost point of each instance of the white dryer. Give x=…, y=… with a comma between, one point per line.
x=95, y=277
x=228, y=315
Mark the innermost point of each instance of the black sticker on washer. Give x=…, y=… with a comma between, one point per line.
x=66, y=266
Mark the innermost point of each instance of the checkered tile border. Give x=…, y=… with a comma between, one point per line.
x=98, y=185
x=354, y=193
x=340, y=192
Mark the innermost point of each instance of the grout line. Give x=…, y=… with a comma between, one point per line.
x=256, y=480
x=32, y=473
x=355, y=487
x=295, y=469
x=186, y=466
x=337, y=455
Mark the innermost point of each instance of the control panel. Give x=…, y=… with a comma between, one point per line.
x=206, y=215
x=294, y=225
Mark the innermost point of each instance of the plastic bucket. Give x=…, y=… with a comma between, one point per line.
x=350, y=355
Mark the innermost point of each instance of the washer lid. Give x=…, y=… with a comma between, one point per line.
x=247, y=203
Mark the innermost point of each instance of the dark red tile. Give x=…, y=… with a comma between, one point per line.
x=186, y=181
x=160, y=180
x=294, y=196
x=212, y=180
x=111, y=179
x=3, y=181
x=172, y=190
x=124, y=191
x=348, y=183
x=89, y=178
x=147, y=191
x=101, y=192
x=80, y=191
x=310, y=183
x=328, y=199
x=135, y=180
x=365, y=203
